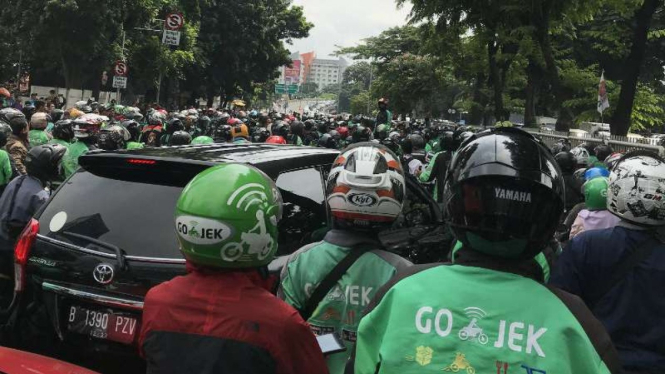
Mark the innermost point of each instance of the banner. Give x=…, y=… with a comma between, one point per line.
x=292, y=74
x=603, y=101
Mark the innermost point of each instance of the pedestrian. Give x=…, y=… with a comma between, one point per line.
x=490, y=311
x=618, y=271
x=331, y=282
x=222, y=313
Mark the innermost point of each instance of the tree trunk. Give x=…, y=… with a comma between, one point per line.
x=541, y=23
x=495, y=81
x=620, y=122
x=530, y=106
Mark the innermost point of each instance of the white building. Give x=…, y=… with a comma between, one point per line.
x=326, y=72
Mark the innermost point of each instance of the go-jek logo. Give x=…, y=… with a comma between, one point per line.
x=198, y=230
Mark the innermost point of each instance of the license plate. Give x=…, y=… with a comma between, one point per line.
x=102, y=325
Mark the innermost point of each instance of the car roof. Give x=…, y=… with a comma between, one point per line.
x=267, y=157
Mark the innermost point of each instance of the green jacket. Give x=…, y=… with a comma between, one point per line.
x=59, y=141
x=470, y=319
x=5, y=168
x=38, y=137
x=70, y=161
x=343, y=306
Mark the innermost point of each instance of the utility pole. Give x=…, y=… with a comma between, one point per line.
x=369, y=92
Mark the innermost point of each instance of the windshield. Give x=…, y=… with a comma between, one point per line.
x=137, y=217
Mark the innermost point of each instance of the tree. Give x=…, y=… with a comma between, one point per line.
x=358, y=73
x=361, y=102
x=623, y=112
x=309, y=88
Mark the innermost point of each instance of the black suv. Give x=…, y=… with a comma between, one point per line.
x=106, y=236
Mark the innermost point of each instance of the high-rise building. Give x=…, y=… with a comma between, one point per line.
x=307, y=68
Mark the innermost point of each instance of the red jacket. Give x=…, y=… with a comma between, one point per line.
x=225, y=322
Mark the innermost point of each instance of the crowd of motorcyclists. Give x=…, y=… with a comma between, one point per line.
x=556, y=265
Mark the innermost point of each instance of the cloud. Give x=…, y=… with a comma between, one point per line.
x=346, y=22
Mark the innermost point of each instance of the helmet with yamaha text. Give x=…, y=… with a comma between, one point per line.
x=365, y=188
x=227, y=217
x=504, y=194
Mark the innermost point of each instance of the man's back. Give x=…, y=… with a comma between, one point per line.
x=341, y=309
x=470, y=319
x=224, y=322
x=632, y=311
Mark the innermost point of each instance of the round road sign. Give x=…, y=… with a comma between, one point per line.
x=174, y=21
x=120, y=68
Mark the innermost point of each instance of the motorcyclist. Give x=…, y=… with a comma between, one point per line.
x=86, y=134
x=365, y=193
x=595, y=215
x=174, y=124
x=37, y=136
x=5, y=163
x=17, y=144
x=503, y=200
x=384, y=117
x=616, y=270
x=410, y=163
x=223, y=307
x=24, y=196
x=296, y=133
x=113, y=138
x=240, y=133
x=602, y=152
x=328, y=141
x=567, y=162
x=438, y=166
x=63, y=133
x=133, y=128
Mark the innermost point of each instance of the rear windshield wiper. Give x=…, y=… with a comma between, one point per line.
x=119, y=252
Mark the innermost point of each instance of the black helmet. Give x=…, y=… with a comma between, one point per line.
x=566, y=161
x=298, y=128
x=504, y=194
x=447, y=142
x=362, y=134
x=173, y=125
x=335, y=134
x=222, y=133
x=328, y=141
x=133, y=128
x=603, y=151
x=113, y=138
x=56, y=115
x=43, y=161
x=418, y=141
x=5, y=132
x=280, y=128
x=64, y=130
x=322, y=127
x=464, y=136
x=310, y=124
x=203, y=123
x=180, y=138
x=15, y=119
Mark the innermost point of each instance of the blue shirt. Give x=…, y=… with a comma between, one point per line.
x=29, y=198
x=633, y=312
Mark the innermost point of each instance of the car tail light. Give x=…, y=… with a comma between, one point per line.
x=136, y=161
x=22, y=252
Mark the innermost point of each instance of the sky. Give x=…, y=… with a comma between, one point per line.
x=345, y=23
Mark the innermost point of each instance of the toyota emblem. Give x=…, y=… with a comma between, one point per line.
x=103, y=273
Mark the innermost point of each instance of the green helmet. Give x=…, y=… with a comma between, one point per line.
x=595, y=194
x=203, y=140
x=227, y=217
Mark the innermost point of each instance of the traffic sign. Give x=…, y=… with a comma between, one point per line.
x=293, y=88
x=171, y=37
x=290, y=89
x=280, y=88
x=119, y=82
x=174, y=21
x=121, y=68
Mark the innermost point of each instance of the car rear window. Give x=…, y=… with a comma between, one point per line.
x=135, y=216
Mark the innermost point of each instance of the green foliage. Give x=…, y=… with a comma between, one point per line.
x=649, y=109
x=360, y=102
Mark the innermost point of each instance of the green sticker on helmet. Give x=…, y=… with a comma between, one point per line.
x=204, y=231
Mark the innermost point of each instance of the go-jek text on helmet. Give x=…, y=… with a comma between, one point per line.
x=595, y=194
x=504, y=194
x=366, y=187
x=637, y=189
x=227, y=217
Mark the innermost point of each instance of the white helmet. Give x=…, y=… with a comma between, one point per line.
x=581, y=155
x=365, y=187
x=636, y=192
